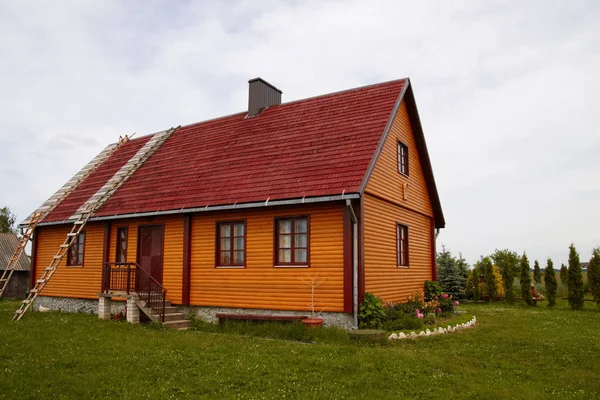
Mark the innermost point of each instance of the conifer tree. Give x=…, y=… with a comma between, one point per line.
x=463, y=267
x=564, y=276
x=473, y=285
x=537, y=272
x=575, y=285
x=550, y=282
x=508, y=262
x=526, y=280
x=490, y=278
x=449, y=277
x=594, y=274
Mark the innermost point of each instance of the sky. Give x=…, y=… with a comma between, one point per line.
x=507, y=92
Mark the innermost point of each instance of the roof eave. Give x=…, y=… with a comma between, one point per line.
x=222, y=207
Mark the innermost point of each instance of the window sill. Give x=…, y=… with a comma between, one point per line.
x=404, y=266
x=290, y=266
x=230, y=266
x=74, y=266
x=403, y=174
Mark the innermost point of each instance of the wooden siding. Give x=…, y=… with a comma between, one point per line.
x=173, y=249
x=382, y=275
x=386, y=182
x=259, y=284
x=81, y=282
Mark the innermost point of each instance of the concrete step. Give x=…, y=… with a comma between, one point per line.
x=175, y=316
x=183, y=323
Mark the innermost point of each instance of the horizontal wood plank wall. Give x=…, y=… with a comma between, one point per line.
x=173, y=249
x=260, y=285
x=382, y=275
x=79, y=282
x=387, y=182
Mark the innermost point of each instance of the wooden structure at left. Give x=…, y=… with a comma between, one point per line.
x=234, y=215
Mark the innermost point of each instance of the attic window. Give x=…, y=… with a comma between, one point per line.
x=75, y=255
x=402, y=158
x=402, y=245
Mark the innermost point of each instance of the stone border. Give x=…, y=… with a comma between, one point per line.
x=438, y=331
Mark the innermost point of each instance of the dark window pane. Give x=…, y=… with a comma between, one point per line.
x=238, y=257
x=300, y=255
x=238, y=244
x=300, y=241
x=301, y=226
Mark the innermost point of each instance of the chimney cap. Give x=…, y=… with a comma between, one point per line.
x=259, y=79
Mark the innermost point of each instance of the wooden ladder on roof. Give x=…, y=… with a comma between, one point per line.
x=84, y=213
x=14, y=259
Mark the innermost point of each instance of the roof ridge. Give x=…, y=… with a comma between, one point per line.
x=300, y=100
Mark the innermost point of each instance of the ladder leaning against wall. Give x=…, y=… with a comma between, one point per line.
x=14, y=259
x=83, y=214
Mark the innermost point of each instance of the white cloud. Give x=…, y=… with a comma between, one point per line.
x=507, y=93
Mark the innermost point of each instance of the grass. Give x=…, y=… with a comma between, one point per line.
x=514, y=352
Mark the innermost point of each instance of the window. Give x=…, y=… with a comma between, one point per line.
x=402, y=158
x=402, y=245
x=75, y=255
x=231, y=244
x=292, y=241
x=122, y=245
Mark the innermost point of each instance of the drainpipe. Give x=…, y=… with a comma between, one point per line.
x=437, y=232
x=354, y=263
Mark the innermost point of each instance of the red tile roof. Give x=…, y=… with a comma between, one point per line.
x=96, y=180
x=313, y=147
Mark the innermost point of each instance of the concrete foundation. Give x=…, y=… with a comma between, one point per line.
x=341, y=320
x=69, y=305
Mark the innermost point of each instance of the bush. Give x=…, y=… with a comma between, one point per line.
x=372, y=313
x=564, y=275
x=550, y=282
x=499, y=282
x=432, y=289
x=575, y=285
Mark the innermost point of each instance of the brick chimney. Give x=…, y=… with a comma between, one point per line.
x=261, y=94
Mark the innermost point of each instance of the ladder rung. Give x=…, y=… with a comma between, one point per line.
x=71, y=234
x=78, y=222
x=41, y=280
x=49, y=268
x=64, y=246
x=57, y=257
x=34, y=290
x=26, y=301
x=19, y=311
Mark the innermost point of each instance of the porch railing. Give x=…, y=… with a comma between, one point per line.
x=130, y=277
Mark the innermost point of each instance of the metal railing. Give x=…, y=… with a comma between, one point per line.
x=130, y=277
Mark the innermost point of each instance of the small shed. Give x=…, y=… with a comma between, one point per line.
x=19, y=284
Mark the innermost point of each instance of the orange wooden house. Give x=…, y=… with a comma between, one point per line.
x=231, y=215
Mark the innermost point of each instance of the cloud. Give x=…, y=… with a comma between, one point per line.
x=507, y=93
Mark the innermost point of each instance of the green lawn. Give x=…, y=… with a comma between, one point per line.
x=514, y=352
